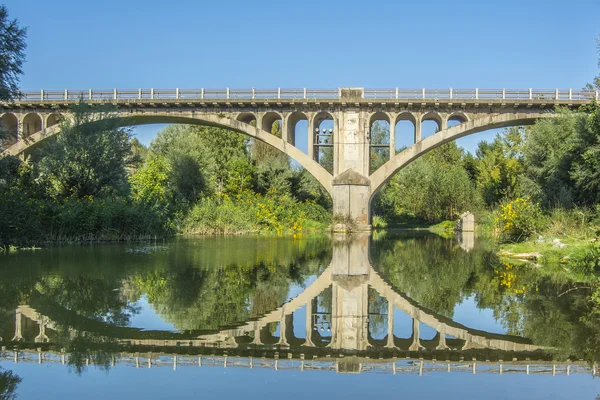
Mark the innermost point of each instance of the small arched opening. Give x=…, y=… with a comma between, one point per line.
x=272, y=122
x=32, y=123
x=297, y=127
x=9, y=124
x=456, y=118
x=53, y=119
x=379, y=138
x=247, y=118
x=431, y=123
x=324, y=127
x=405, y=130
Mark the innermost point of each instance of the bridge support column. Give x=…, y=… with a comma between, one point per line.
x=351, y=202
x=20, y=130
x=286, y=330
x=351, y=187
x=18, y=327
x=390, y=321
x=442, y=339
x=392, y=139
x=309, y=324
x=416, y=344
x=42, y=337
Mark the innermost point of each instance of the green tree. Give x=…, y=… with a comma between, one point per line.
x=12, y=57
x=12, y=54
x=89, y=156
x=548, y=155
x=433, y=188
x=192, y=165
x=8, y=385
x=499, y=168
x=151, y=182
x=585, y=171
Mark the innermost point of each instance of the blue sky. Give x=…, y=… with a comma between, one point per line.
x=320, y=44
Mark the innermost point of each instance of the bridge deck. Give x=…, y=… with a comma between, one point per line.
x=252, y=96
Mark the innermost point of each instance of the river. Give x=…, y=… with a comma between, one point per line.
x=400, y=315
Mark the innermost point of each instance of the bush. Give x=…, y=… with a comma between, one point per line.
x=251, y=212
x=517, y=220
x=33, y=221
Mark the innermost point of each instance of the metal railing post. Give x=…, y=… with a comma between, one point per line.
x=115, y=94
x=66, y=94
x=253, y=93
x=396, y=92
x=227, y=92
x=530, y=94
x=152, y=93
x=304, y=92
x=91, y=95
x=556, y=94
x=476, y=93
x=42, y=95
x=423, y=93
x=278, y=93
x=503, y=94
x=202, y=93
x=570, y=94
x=177, y=93
x=140, y=93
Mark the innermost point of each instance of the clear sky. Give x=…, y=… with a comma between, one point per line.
x=319, y=44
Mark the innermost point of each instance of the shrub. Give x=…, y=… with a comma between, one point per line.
x=517, y=220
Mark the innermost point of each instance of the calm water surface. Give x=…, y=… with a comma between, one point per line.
x=401, y=315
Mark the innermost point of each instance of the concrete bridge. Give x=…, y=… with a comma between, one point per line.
x=35, y=115
x=349, y=277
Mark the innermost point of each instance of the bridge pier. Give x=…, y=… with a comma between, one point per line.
x=351, y=187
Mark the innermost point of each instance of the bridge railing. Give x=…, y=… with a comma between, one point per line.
x=531, y=94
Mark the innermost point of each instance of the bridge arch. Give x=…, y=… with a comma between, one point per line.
x=472, y=126
x=32, y=123
x=9, y=123
x=291, y=121
x=405, y=116
x=52, y=119
x=459, y=116
x=268, y=119
x=246, y=117
x=220, y=121
x=432, y=116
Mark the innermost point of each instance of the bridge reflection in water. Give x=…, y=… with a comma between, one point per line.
x=345, y=286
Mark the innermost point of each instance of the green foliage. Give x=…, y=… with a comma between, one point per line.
x=548, y=154
x=517, y=220
x=274, y=212
x=89, y=157
x=151, y=182
x=433, y=188
x=12, y=54
x=498, y=168
x=9, y=381
x=191, y=163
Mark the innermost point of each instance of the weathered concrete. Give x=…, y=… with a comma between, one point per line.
x=466, y=223
x=352, y=110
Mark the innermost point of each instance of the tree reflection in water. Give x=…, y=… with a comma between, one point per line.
x=9, y=382
x=196, y=291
